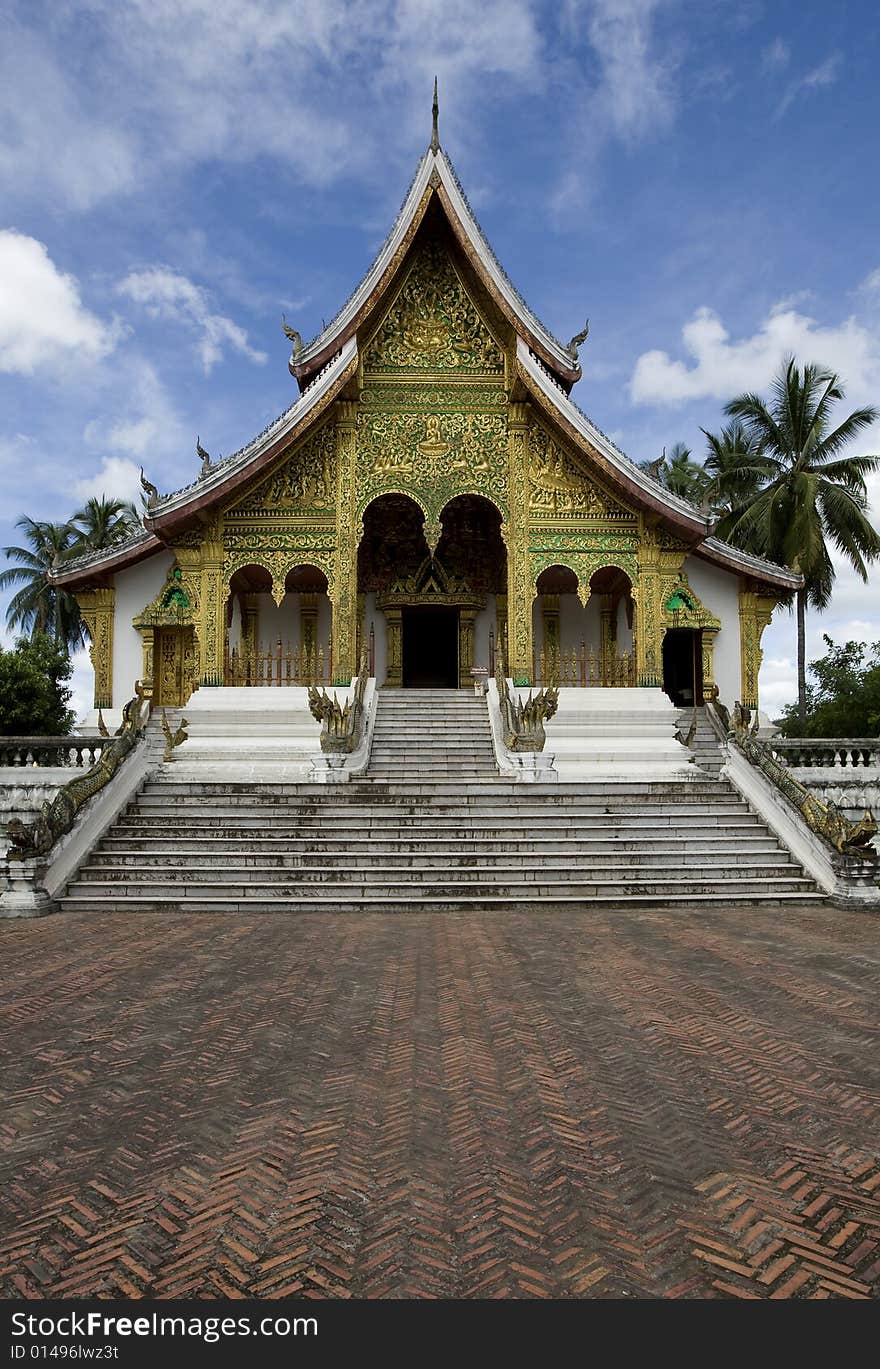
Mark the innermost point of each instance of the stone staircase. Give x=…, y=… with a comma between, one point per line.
x=433, y=826
x=422, y=734
x=705, y=747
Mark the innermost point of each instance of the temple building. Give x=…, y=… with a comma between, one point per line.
x=433, y=497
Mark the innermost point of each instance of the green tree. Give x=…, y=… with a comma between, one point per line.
x=844, y=700
x=679, y=473
x=101, y=523
x=810, y=494
x=733, y=466
x=37, y=606
x=34, y=695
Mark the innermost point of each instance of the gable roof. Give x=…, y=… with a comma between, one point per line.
x=326, y=365
x=436, y=177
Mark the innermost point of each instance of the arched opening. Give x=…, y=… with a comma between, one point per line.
x=683, y=666
x=578, y=644
x=427, y=617
x=271, y=643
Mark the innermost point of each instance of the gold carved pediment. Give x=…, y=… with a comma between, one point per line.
x=175, y=605
x=683, y=608
x=433, y=324
x=560, y=485
x=305, y=479
x=430, y=585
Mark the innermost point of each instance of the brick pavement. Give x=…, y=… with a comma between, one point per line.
x=580, y=1105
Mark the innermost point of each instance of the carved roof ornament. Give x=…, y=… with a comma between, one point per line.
x=435, y=112
x=149, y=490
x=204, y=457
x=576, y=341
x=296, y=338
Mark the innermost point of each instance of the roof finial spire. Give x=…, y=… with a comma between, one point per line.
x=435, y=112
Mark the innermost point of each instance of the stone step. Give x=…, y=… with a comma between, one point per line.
x=700, y=789
x=87, y=902
x=432, y=811
x=208, y=847
x=669, y=834
x=542, y=886
x=444, y=796
x=416, y=867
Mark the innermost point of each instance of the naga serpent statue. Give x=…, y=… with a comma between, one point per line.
x=57, y=816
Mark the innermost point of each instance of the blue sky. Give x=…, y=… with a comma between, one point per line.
x=698, y=178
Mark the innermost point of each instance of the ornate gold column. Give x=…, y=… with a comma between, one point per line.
x=394, y=648
x=343, y=589
x=97, y=608
x=756, y=605
x=647, y=594
x=466, y=621
x=148, y=645
x=516, y=537
x=308, y=624
x=708, y=636
x=250, y=611
x=212, y=616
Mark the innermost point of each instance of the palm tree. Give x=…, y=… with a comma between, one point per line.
x=102, y=522
x=38, y=606
x=735, y=471
x=684, y=477
x=679, y=473
x=809, y=493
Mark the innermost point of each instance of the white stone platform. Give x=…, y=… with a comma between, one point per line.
x=249, y=733
x=616, y=734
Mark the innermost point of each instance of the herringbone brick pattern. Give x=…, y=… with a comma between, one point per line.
x=523, y=1105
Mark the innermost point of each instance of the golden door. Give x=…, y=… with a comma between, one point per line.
x=174, y=658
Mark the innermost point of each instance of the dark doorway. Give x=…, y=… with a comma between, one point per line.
x=430, y=648
x=683, y=666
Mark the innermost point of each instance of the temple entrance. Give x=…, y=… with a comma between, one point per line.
x=431, y=598
x=683, y=666
x=429, y=647
x=174, y=666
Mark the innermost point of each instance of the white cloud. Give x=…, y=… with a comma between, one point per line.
x=118, y=478
x=871, y=284
x=82, y=682
x=721, y=368
x=636, y=81
x=135, y=416
x=168, y=295
x=164, y=84
x=42, y=316
x=819, y=77
x=776, y=55
x=55, y=141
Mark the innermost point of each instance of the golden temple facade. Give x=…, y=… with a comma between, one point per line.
x=434, y=497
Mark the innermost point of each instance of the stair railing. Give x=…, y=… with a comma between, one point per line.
x=824, y=819
x=58, y=815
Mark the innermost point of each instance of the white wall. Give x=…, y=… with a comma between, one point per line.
x=135, y=588
x=235, y=624
x=375, y=618
x=483, y=624
x=718, y=591
x=285, y=622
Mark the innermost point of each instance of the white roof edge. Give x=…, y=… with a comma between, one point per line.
x=386, y=252
x=278, y=428
x=444, y=168
x=492, y=265
x=756, y=565
x=613, y=455
x=94, y=560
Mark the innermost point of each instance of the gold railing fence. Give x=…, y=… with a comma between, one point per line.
x=586, y=668
x=280, y=666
